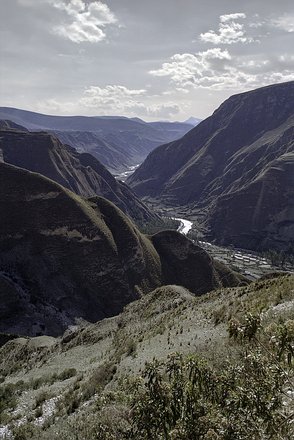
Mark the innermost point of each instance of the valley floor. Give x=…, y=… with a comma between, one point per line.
x=249, y=263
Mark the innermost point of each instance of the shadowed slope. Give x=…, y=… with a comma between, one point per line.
x=63, y=257
x=219, y=164
x=81, y=173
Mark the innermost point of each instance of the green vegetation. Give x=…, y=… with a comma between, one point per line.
x=154, y=226
x=170, y=367
x=185, y=398
x=280, y=258
x=7, y=400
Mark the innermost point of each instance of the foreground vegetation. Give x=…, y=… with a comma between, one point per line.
x=245, y=392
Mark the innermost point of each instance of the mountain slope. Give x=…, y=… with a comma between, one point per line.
x=118, y=142
x=224, y=158
x=87, y=376
x=62, y=257
x=82, y=173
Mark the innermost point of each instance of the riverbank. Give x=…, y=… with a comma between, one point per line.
x=248, y=263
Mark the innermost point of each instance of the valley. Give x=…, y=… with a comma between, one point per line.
x=234, y=171
x=252, y=265
x=146, y=220
x=111, y=283
x=119, y=143
x=125, y=174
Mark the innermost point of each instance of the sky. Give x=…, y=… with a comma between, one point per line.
x=154, y=59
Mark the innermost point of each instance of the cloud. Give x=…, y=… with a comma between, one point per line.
x=185, y=69
x=114, y=100
x=121, y=100
x=229, y=31
x=229, y=17
x=284, y=22
x=216, y=69
x=114, y=97
x=84, y=22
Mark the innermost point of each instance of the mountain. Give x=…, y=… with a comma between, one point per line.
x=63, y=257
x=7, y=125
x=237, y=165
x=118, y=142
x=43, y=153
x=192, y=121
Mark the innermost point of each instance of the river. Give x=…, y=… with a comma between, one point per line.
x=249, y=263
x=185, y=225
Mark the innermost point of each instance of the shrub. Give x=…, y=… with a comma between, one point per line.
x=41, y=398
x=66, y=374
x=184, y=398
x=7, y=399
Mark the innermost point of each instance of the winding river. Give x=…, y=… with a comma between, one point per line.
x=249, y=263
x=185, y=225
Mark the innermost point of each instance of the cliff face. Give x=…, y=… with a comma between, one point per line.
x=82, y=173
x=225, y=165
x=62, y=257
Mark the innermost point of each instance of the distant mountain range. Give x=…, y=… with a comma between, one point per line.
x=118, y=142
x=237, y=166
x=193, y=121
x=43, y=153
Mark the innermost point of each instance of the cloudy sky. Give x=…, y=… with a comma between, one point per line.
x=156, y=59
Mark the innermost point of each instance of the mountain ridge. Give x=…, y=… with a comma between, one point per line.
x=44, y=153
x=224, y=154
x=118, y=142
x=63, y=257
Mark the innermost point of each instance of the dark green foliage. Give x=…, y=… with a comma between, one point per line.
x=26, y=432
x=280, y=258
x=66, y=374
x=157, y=225
x=186, y=399
x=7, y=398
x=98, y=380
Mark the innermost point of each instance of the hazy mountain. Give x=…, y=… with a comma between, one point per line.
x=238, y=164
x=62, y=257
x=82, y=173
x=192, y=121
x=7, y=125
x=118, y=142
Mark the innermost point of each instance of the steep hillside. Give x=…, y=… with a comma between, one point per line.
x=226, y=164
x=118, y=142
x=63, y=258
x=7, y=125
x=86, y=378
x=82, y=173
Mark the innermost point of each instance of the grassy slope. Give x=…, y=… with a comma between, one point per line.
x=167, y=320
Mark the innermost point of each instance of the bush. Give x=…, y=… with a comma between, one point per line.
x=7, y=399
x=185, y=399
x=66, y=374
x=41, y=398
x=26, y=431
x=99, y=379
